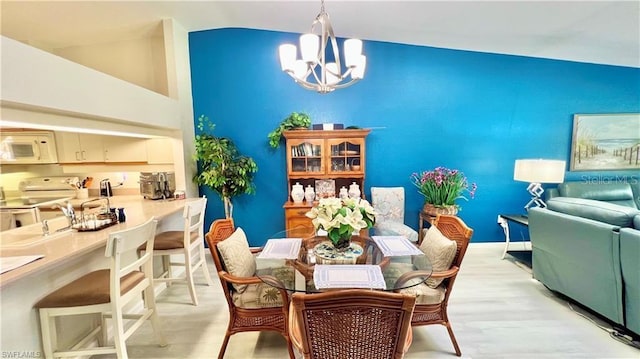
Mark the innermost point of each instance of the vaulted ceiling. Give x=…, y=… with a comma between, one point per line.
x=602, y=32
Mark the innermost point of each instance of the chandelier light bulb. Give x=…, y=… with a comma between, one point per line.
x=333, y=72
x=300, y=70
x=352, y=51
x=309, y=47
x=358, y=71
x=287, y=54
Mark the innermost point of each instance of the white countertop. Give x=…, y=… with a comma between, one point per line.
x=60, y=247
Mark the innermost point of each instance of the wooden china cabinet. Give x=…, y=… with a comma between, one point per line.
x=326, y=161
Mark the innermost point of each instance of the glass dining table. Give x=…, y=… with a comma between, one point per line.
x=312, y=264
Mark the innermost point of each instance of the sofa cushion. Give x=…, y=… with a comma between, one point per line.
x=636, y=222
x=616, y=193
x=237, y=257
x=259, y=295
x=596, y=210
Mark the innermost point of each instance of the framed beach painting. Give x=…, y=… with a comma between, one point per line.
x=605, y=142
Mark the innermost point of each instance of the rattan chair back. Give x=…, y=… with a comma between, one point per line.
x=355, y=323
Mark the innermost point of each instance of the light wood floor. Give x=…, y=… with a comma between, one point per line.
x=497, y=311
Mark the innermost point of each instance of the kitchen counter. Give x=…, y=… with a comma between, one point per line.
x=67, y=256
x=60, y=247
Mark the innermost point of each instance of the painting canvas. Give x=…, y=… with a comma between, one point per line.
x=605, y=142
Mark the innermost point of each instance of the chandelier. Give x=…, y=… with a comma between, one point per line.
x=312, y=71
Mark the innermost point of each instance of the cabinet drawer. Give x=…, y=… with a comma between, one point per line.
x=297, y=224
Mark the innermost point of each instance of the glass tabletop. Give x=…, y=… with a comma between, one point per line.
x=313, y=265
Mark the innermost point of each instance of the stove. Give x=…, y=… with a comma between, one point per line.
x=48, y=187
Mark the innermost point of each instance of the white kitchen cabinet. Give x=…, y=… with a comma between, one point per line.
x=125, y=149
x=160, y=150
x=79, y=147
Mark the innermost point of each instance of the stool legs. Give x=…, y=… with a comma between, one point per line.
x=48, y=333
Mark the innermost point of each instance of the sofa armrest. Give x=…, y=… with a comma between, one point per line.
x=578, y=257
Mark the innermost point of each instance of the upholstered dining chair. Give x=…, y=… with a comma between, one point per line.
x=444, y=245
x=110, y=292
x=389, y=205
x=188, y=242
x=253, y=304
x=353, y=323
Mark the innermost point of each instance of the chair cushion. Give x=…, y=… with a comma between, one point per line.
x=237, y=257
x=395, y=229
x=440, y=251
x=92, y=288
x=256, y=296
x=425, y=294
x=171, y=240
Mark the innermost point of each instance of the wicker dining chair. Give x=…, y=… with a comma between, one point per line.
x=433, y=296
x=352, y=323
x=246, y=316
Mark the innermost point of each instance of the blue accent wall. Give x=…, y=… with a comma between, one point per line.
x=428, y=107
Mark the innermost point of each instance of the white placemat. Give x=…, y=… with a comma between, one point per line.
x=348, y=276
x=395, y=246
x=281, y=248
x=10, y=263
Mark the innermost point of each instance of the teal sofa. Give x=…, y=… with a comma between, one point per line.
x=586, y=246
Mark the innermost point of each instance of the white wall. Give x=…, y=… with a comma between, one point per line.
x=139, y=61
x=39, y=80
x=39, y=88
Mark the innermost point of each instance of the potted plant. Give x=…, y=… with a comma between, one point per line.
x=293, y=121
x=222, y=167
x=441, y=187
x=341, y=217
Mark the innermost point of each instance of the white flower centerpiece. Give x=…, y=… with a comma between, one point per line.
x=340, y=218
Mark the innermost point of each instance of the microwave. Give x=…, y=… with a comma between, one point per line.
x=27, y=147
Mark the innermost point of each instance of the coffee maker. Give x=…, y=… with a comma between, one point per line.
x=105, y=188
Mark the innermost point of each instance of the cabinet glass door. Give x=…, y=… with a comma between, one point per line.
x=346, y=156
x=305, y=157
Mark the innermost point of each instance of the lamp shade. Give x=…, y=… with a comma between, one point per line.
x=539, y=171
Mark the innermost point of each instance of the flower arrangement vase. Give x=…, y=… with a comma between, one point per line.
x=433, y=211
x=343, y=243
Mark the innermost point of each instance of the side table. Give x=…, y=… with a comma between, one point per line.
x=503, y=221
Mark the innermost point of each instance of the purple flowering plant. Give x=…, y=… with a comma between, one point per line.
x=443, y=186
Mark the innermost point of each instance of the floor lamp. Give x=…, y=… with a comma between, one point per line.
x=536, y=172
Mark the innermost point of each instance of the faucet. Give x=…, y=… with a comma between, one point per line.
x=68, y=212
x=45, y=227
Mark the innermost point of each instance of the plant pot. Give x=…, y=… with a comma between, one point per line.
x=433, y=211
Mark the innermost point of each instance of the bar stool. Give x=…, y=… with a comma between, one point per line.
x=107, y=291
x=188, y=243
